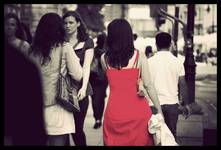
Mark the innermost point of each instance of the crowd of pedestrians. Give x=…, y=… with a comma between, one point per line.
x=140, y=84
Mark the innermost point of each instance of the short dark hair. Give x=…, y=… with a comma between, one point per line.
x=148, y=50
x=163, y=40
x=135, y=36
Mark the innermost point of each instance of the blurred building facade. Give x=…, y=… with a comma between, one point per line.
x=137, y=14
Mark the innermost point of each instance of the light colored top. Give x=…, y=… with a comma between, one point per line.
x=57, y=120
x=165, y=70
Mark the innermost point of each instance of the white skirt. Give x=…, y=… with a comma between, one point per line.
x=58, y=121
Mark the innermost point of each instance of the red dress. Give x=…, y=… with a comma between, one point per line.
x=126, y=116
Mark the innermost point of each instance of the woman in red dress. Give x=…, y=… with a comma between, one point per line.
x=127, y=114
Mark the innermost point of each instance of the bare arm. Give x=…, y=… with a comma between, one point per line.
x=148, y=85
x=86, y=72
x=73, y=63
x=87, y=66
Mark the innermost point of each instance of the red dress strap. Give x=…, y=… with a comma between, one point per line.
x=136, y=59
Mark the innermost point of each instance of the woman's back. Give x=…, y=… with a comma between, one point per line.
x=126, y=114
x=51, y=69
x=123, y=91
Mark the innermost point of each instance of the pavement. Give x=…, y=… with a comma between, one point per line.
x=190, y=132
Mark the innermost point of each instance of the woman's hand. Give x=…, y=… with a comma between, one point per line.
x=81, y=93
x=141, y=89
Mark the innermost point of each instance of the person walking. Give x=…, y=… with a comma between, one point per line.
x=167, y=72
x=149, y=51
x=98, y=81
x=127, y=114
x=47, y=50
x=75, y=34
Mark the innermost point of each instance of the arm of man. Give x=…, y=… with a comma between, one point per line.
x=149, y=86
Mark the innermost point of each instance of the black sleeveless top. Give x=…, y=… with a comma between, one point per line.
x=88, y=44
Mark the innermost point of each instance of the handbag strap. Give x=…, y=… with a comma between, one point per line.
x=61, y=54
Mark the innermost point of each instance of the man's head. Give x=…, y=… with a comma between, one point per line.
x=163, y=40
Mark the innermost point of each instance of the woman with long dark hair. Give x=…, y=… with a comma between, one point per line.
x=14, y=33
x=127, y=114
x=76, y=34
x=47, y=50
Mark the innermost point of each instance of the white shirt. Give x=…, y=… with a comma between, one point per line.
x=165, y=70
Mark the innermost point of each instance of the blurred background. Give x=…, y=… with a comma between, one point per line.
x=142, y=18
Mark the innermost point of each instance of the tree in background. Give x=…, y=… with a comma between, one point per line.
x=91, y=15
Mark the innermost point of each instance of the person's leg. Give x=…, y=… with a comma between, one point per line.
x=98, y=103
x=102, y=99
x=98, y=100
x=79, y=137
x=58, y=140
x=171, y=113
x=94, y=100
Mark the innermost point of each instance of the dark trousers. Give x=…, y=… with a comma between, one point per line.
x=171, y=113
x=98, y=99
x=79, y=137
x=58, y=140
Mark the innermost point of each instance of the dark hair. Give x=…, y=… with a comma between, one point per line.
x=101, y=38
x=19, y=32
x=49, y=33
x=82, y=34
x=148, y=51
x=135, y=36
x=120, y=46
x=163, y=40
x=27, y=33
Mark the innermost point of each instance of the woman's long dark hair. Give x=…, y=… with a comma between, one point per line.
x=120, y=46
x=19, y=31
x=82, y=34
x=49, y=33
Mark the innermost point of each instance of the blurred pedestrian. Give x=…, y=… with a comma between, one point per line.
x=98, y=81
x=127, y=114
x=135, y=36
x=166, y=73
x=14, y=33
x=75, y=34
x=23, y=100
x=47, y=49
x=27, y=32
x=149, y=51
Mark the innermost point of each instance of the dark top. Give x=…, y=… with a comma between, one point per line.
x=81, y=53
x=98, y=77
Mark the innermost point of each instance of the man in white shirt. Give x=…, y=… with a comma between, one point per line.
x=167, y=71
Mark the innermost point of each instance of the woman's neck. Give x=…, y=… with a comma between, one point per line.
x=72, y=37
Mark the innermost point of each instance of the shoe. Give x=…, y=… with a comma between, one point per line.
x=97, y=124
